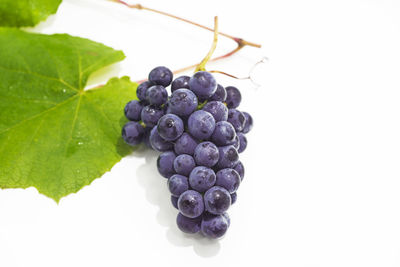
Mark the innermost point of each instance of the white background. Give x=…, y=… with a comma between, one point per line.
x=322, y=185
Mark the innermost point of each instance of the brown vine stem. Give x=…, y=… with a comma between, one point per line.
x=227, y=74
x=239, y=41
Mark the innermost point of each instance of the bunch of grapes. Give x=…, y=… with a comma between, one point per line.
x=200, y=132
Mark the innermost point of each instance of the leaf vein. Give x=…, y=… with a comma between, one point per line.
x=72, y=129
x=39, y=114
x=42, y=76
x=103, y=114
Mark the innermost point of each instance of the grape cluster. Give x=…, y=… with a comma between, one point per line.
x=200, y=132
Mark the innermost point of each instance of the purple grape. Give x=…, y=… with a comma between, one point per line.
x=177, y=184
x=224, y=134
x=188, y=225
x=183, y=102
x=157, y=143
x=228, y=179
x=161, y=76
x=185, y=144
x=233, y=97
x=248, y=125
x=156, y=95
x=142, y=89
x=174, y=201
x=191, y=204
x=170, y=127
x=201, y=124
x=165, y=164
x=203, y=84
x=219, y=95
x=243, y=142
x=233, y=198
x=240, y=169
x=228, y=157
x=214, y=226
x=217, y=109
x=184, y=164
x=206, y=154
x=202, y=178
x=180, y=82
x=150, y=115
x=132, y=133
x=237, y=119
x=217, y=200
x=132, y=110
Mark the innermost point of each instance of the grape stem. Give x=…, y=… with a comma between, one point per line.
x=202, y=64
x=239, y=41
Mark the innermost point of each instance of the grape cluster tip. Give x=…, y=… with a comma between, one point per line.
x=200, y=133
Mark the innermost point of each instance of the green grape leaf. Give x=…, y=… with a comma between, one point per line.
x=19, y=13
x=54, y=135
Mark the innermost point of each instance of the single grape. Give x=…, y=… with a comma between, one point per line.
x=237, y=119
x=177, y=184
x=157, y=143
x=201, y=124
x=185, y=144
x=188, y=225
x=133, y=110
x=243, y=142
x=224, y=134
x=156, y=95
x=132, y=133
x=150, y=115
x=142, y=89
x=217, y=200
x=228, y=179
x=183, y=102
x=202, y=178
x=240, y=169
x=217, y=109
x=203, y=84
x=228, y=157
x=170, y=127
x=191, y=204
x=214, y=226
x=206, y=154
x=248, y=125
x=233, y=97
x=174, y=201
x=219, y=95
x=180, y=82
x=165, y=164
x=184, y=164
x=161, y=76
